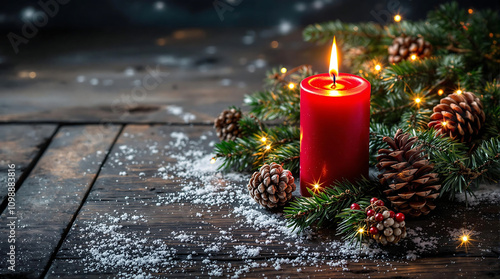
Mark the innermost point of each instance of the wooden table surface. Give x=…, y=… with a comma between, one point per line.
x=116, y=182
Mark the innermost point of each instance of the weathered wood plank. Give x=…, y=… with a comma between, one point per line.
x=202, y=75
x=447, y=267
x=20, y=145
x=126, y=223
x=49, y=198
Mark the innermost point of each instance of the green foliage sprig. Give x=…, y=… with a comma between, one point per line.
x=324, y=206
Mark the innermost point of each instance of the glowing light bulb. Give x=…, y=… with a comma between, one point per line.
x=361, y=230
x=263, y=139
x=418, y=100
x=283, y=70
x=397, y=18
x=316, y=186
x=413, y=57
x=291, y=85
x=212, y=161
x=470, y=11
x=444, y=123
x=458, y=91
x=465, y=240
x=440, y=92
x=268, y=147
x=378, y=67
x=274, y=44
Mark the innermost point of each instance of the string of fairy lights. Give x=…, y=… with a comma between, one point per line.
x=465, y=238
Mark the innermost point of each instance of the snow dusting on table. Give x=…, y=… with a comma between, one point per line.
x=247, y=242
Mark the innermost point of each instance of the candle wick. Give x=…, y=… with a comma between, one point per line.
x=334, y=84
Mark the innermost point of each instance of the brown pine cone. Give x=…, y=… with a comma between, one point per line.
x=403, y=47
x=459, y=116
x=407, y=173
x=389, y=230
x=226, y=125
x=271, y=186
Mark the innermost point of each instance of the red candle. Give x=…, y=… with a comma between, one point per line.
x=334, y=128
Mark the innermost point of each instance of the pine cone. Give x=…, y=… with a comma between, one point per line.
x=226, y=125
x=389, y=229
x=403, y=47
x=413, y=186
x=459, y=116
x=271, y=186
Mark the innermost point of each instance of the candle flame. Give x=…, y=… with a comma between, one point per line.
x=334, y=65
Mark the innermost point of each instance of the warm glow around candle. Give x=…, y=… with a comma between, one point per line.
x=334, y=65
x=334, y=93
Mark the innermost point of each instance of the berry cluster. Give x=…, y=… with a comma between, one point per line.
x=385, y=226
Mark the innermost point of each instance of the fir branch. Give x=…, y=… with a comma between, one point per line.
x=415, y=119
x=325, y=205
x=351, y=221
x=396, y=78
x=236, y=154
x=288, y=155
x=459, y=171
x=250, y=125
x=276, y=78
x=278, y=144
x=357, y=34
x=271, y=105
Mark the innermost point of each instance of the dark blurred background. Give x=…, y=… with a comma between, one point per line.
x=59, y=54
x=121, y=15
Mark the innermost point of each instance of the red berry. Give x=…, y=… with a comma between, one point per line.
x=370, y=212
x=400, y=217
x=392, y=214
x=373, y=230
x=379, y=217
x=380, y=203
x=373, y=200
x=355, y=206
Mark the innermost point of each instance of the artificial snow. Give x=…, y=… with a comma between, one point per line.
x=233, y=249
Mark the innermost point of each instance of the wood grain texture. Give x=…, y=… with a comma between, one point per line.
x=20, y=145
x=108, y=85
x=136, y=194
x=52, y=194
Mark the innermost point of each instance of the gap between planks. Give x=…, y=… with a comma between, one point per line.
x=70, y=224
x=30, y=166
